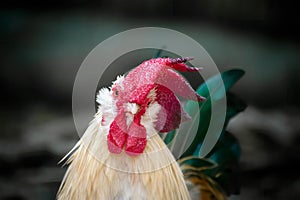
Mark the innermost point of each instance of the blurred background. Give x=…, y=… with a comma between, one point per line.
x=44, y=42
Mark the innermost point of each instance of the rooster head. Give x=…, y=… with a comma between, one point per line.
x=146, y=103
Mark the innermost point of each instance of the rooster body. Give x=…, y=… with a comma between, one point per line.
x=121, y=155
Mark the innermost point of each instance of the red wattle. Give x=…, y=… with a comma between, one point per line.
x=136, y=140
x=117, y=135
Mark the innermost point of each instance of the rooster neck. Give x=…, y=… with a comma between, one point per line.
x=95, y=173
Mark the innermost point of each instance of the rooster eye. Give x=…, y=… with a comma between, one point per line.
x=116, y=93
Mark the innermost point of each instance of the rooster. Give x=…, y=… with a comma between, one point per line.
x=121, y=154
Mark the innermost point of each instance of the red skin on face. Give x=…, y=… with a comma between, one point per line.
x=155, y=74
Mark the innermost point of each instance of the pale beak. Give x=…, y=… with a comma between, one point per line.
x=131, y=108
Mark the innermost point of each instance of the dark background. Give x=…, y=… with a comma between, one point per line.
x=44, y=42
